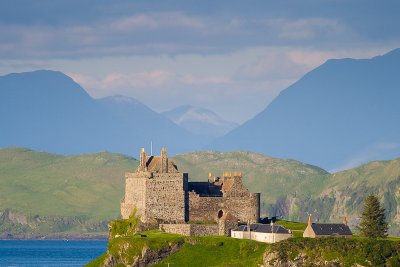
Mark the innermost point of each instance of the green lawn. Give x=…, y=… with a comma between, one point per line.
x=217, y=251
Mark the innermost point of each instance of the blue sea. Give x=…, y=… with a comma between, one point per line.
x=50, y=252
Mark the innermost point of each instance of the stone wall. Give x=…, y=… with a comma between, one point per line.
x=191, y=229
x=180, y=229
x=203, y=208
x=225, y=227
x=243, y=207
x=204, y=229
x=165, y=198
x=135, y=194
x=156, y=197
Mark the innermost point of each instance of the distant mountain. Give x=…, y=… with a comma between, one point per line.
x=337, y=116
x=47, y=110
x=200, y=121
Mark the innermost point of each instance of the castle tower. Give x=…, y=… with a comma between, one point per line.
x=157, y=190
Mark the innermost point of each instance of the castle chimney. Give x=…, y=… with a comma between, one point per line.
x=345, y=220
x=309, y=219
x=164, y=160
x=142, y=160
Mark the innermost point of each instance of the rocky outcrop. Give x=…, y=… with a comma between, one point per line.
x=147, y=257
x=271, y=259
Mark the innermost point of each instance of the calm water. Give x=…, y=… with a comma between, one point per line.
x=49, y=252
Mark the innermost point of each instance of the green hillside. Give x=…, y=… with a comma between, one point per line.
x=346, y=190
x=41, y=188
x=42, y=193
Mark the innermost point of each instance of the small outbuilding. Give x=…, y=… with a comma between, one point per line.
x=315, y=230
x=268, y=233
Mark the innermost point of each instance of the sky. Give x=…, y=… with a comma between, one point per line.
x=232, y=57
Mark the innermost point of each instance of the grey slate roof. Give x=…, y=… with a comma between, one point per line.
x=263, y=228
x=331, y=229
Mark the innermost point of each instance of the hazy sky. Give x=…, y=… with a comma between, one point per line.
x=230, y=56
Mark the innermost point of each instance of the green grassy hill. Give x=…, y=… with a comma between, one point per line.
x=42, y=193
x=60, y=193
x=346, y=190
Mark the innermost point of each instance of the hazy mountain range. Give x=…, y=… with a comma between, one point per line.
x=200, y=121
x=339, y=115
x=48, y=111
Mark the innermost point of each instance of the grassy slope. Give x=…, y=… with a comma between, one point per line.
x=374, y=173
x=47, y=184
x=350, y=187
x=217, y=251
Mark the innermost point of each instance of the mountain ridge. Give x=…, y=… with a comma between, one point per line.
x=342, y=111
x=47, y=110
x=199, y=121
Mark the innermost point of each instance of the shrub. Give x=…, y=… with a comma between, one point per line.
x=125, y=227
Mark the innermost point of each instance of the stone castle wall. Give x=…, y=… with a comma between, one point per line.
x=165, y=198
x=135, y=195
x=191, y=229
x=244, y=207
x=203, y=208
x=180, y=229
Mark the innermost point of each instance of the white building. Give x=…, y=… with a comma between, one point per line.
x=268, y=233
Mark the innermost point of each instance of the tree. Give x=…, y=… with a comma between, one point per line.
x=373, y=223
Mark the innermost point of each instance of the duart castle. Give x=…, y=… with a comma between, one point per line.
x=162, y=195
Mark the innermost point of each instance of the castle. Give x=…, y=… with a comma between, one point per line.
x=162, y=195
